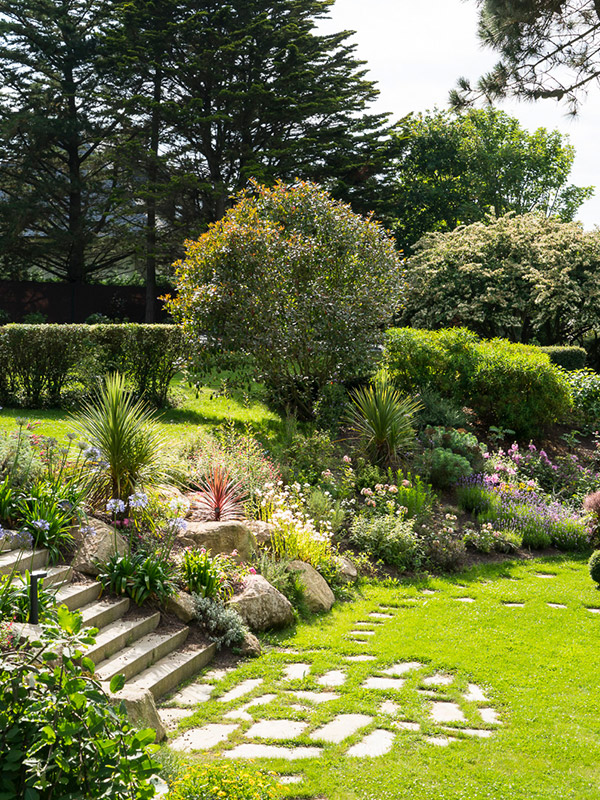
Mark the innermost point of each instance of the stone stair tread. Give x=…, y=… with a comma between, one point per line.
x=102, y=612
x=120, y=634
x=55, y=576
x=146, y=651
x=78, y=595
x=20, y=560
x=170, y=671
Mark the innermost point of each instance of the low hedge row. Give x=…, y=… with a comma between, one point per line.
x=566, y=357
x=38, y=363
x=510, y=385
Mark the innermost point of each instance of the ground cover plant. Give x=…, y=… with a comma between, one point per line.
x=533, y=750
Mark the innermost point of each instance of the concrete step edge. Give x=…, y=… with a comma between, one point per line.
x=78, y=595
x=174, y=669
x=120, y=634
x=15, y=561
x=139, y=656
x=103, y=612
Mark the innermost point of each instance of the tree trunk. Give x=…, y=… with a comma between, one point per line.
x=76, y=254
x=151, y=200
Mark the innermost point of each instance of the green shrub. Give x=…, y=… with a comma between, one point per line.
x=585, y=390
x=139, y=576
x=389, y=538
x=444, y=467
x=297, y=279
x=516, y=386
x=203, y=575
x=221, y=780
x=594, y=566
x=460, y=442
x=439, y=410
x=568, y=358
x=511, y=385
x=222, y=625
x=60, y=734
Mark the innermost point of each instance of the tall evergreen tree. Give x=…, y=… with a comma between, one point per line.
x=548, y=49
x=59, y=175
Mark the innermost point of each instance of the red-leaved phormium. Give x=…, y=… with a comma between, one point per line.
x=219, y=498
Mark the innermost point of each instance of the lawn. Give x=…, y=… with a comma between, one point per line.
x=209, y=409
x=535, y=664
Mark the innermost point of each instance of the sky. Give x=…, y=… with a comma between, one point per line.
x=415, y=51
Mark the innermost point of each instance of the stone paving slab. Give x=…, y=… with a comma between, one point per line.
x=367, y=658
x=464, y=599
x=276, y=729
x=287, y=779
x=193, y=694
x=474, y=694
x=556, y=605
x=440, y=741
x=272, y=751
x=489, y=715
x=439, y=679
x=340, y=728
x=377, y=743
x=446, y=712
x=242, y=689
x=380, y=615
x=593, y=610
x=362, y=633
x=242, y=711
x=383, y=683
x=401, y=668
x=296, y=671
x=334, y=677
x=407, y=726
x=317, y=697
x=170, y=717
x=203, y=738
x=514, y=605
x=389, y=707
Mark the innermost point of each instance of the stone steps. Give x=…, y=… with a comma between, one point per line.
x=103, y=612
x=120, y=634
x=132, y=660
x=15, y=561
x=173, y=669
x=77, y=595
x=55, y=577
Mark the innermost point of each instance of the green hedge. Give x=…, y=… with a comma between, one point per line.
x=510, y=385
x=566, y=357
x=38, y=363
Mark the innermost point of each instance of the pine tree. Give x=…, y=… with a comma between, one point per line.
x=548, y=49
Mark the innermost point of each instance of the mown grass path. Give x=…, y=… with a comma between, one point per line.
x=515, y=680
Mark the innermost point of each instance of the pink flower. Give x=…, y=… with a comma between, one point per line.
x=327, y=473
x=252, y=571
x=234, y=552
x=532, y=447
x=486, y=455
x=406, y=484
x=347, y=460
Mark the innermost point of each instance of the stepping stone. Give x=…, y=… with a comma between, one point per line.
x=367, y=658
x=446, y=712
x=298, y=707
x=242, y=711
x=295, y=672
x=474, y=694
x=440, y=741
x=407, y=726
x=317, y=697
x=593, y=610
x=341, y=727
x=438, y=680
x=380, y=615
x=357, y=641
x=383, y=683
x=388, y=707
x=202, y=738
x=513, y=605
x=428, y=591
x=362, y=633
x=276, y=729
x=377, y=743
x=490, y=716
x=286, y=779
x=193, y=694
x=170, y=717
x=480, y=734
x=427, y=693
x=402, y=667
x=543, y=575
x=334, y=677
x=271, y=751
x=216, y=674
x=464, y=599
x=239, y=691
x=556, y=605
x=370, y=624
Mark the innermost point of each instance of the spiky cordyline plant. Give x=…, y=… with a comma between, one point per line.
x=219, y=497
x=383, y=420
x=125, y=432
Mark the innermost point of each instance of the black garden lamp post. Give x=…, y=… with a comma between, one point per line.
x=34, y=578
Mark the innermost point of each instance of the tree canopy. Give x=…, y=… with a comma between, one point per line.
x=456, y=168
x=525, y=278
x=547, y=48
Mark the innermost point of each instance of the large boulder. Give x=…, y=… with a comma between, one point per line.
x=347, y=570
x=182, y=606
x=261, y=605
x=220, y=537
x=98, y=542
x=263, y=531
x=250, y=647
x=317, y=594
x=141, y=709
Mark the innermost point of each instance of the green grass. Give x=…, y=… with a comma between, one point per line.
x=538, y=666
x=208, y=410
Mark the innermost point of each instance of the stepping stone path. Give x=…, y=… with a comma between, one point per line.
x=465, y=599
x=556, y=605
x=594, y=610
x=513, y=605
x=236, y=732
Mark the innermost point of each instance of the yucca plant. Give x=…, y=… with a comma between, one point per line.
x=382, y=419
x=220, y=498
x=125, y=433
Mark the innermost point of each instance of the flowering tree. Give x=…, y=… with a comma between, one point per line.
x=296, y=279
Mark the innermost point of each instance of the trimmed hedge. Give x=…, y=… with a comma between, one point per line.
x=39, y=362
x=510, y=385
x=566, y=357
